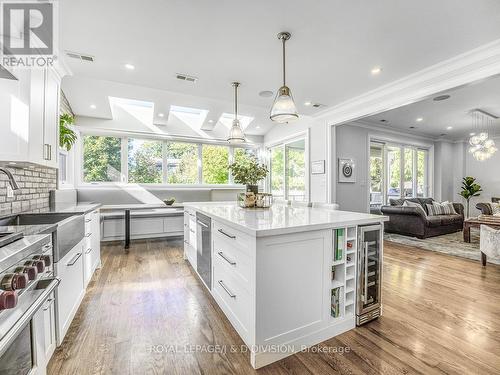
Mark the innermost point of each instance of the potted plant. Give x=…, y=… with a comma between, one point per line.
x=67, y=136
x=248, y=172
x=470, y=189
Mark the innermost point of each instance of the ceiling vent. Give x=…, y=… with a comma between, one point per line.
x=79, y=56
x=186, y=77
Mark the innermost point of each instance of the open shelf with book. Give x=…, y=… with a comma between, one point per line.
x=343, y=264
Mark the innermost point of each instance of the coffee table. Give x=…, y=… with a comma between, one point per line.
x=476, y=222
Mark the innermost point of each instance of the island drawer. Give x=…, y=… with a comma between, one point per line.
x=233, y=236
x=234, y=259
x=233, y=299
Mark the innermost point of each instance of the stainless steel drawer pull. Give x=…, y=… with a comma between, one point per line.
x=202, y=224
x=88, y=220
x=221, y=254
x=191, y=230
x=88, y=235
x=221, y=283
x=88, y=250
x=73, y=261
x=227, y=235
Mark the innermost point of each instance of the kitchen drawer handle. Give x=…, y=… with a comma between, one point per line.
x=221, y=283
x=73, y=261
x=88, y=250
x=227, y=235
x=221, y=254
x=88, y=220
x=191, y=230
x=186, y=242
x=88, y=234
x=49, y=302
x=202, y=224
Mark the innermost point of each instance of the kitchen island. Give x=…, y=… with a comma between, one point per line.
x=284, y=276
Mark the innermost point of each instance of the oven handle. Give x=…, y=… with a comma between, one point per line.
x=26, y=317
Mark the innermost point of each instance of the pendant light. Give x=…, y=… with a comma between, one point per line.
x=482, y=147
x=236, y=134
x=284, y=109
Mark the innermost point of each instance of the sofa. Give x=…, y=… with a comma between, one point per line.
x=485, y=208
x=414, y=222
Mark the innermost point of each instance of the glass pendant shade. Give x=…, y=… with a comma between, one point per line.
x=236, y=134
x=284, y=109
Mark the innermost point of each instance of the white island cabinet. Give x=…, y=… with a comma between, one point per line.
x=285, y=277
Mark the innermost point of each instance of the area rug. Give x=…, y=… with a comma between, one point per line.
x=451, y=244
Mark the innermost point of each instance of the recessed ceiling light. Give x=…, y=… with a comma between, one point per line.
x=257, y=127
x=413, y=127
x=129, y=66
x=160, y=115
x=449, y=128
x=12, y=163
x=471, y=134
x=383, y=120
x=307, y=103
x=210, y=121
x=266, y=94
x=441, y=97
x=419, y=119
x=93, y=106
x=376, y=70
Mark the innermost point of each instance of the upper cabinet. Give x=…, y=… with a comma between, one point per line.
x=29, y=114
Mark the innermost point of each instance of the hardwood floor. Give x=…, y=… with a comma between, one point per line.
x=441, y=315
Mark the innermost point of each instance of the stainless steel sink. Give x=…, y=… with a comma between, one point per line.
x=35, y=219
x=70, y=228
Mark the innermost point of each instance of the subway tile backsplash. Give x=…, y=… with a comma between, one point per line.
x=33, y=195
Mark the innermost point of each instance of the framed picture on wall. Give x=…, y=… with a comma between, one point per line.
x=318, y=167
x=347, y=170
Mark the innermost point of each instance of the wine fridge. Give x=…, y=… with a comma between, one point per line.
x=369, y=281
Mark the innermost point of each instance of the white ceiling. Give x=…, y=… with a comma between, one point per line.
x=437, y=116
x=334, y=46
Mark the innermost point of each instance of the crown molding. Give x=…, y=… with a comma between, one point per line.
x=472, y=66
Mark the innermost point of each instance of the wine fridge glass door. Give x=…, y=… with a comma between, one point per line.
x=369, y=277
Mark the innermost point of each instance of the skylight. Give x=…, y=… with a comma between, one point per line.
x=226, y=119
x=192, y=117
x=140, y=110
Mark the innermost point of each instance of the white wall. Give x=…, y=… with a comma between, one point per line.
x=352, y=141
x=487, y=174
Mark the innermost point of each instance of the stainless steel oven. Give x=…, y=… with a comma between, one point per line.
x=369, y=282
x=26, y=284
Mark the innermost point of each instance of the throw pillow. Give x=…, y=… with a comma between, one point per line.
x=416, y=205
x=445, y=208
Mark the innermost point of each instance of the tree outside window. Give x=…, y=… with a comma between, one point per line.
x=101, y=159
x=182, y=163
x=215, y=163
x=145, y=161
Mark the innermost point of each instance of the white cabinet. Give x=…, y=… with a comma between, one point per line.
x=45, y=334
x=190, y=238
x=71, y=290
x=92, y=245
x=29, y=110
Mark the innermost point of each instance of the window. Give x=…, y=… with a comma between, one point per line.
x=215, y=163
x=145, y=161
x=63, y=167
x=376, y=175
x=156, y=161
x=277, y=169
x=400, y=171
x=182, y=163
x=287, y=164
x=295, y=171
x=101, y=158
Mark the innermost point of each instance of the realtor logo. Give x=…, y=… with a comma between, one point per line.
x=28, y=33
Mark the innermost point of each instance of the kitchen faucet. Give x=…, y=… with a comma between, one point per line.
x=12, y=181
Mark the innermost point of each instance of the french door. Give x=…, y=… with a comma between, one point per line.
x=397, y=171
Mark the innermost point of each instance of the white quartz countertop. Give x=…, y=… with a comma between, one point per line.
x=280, y=218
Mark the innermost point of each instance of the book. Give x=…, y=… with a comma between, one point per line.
x=335, y=303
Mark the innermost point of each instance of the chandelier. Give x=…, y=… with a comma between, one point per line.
x=482, y=147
